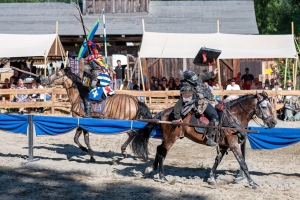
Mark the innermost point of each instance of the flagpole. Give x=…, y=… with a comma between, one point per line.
x=104, y=33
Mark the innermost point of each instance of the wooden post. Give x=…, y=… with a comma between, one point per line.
x=143, y=25
x=127, y=68
x=296, y=70
x=56, y=38
x=275, y=100
x=184, y=64
x=284, y=82
x=292, y=25
x=218, y=26
x=53, y=99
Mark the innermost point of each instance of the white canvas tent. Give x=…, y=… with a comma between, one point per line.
x=233, y=46
x=19, y=45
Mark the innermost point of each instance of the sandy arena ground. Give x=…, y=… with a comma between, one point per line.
x=64, y=172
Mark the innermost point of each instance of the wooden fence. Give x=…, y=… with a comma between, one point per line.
x=155, y=100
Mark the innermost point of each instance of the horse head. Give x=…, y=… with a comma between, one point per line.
x=58, y=78
x=264, y=111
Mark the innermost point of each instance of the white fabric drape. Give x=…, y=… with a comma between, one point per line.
x=233, y=46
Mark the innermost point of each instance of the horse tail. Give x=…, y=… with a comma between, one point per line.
x=139, y=144
x=144, y=111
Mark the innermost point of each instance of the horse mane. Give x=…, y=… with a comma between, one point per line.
x=242, y=99
x=83, y=90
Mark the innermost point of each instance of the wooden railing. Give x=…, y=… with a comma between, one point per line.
x=155, y=100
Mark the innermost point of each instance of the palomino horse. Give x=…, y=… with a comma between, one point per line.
x=119, y=106
x=241, y=110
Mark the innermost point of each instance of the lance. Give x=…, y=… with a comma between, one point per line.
x=174, y=123
x=83, y=26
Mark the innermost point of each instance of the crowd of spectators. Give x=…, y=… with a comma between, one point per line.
x=16, y=82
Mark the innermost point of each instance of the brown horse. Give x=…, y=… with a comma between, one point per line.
x=119, y=106
x=241, y=110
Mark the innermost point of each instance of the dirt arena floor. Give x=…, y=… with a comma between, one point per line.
x=64, y=172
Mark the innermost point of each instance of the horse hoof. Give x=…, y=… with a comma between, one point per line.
x=254, y=185
x=164, y=180
x=92, y=160
x=213, y=182
x=124, y=154
x=148, y=170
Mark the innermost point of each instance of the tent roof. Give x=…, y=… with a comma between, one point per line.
x=18, y=45
x=233, y=46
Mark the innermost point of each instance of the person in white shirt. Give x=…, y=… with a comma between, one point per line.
x=289, y=86
x=232, y=86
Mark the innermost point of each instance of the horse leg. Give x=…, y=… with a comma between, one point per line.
x=154, y=166
x=162, y=153
x=76, y=139
x=236, y=149
x=131, y=134
x=87, y=142
x=217, y=162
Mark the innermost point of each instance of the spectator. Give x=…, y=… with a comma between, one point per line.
x=14, y=78
x=255, y=85
x=125, y=85
x=27, y=69
x=164, y=84
x=247, y=77
x=171, y=85
x=259, y=87
x=119, y=74
x=289, y=86
x=177, y=85
x=266, y=87
x=272, y=84
x=6, y=84
x=279, y=97
x=247, y=85
x=216, y=86
x=207, y=85
x=155, y=86
x=267, y=82
x=132, y=83
x=238, y=78
x=42, y=95
x=232, y=86
x=21, y=97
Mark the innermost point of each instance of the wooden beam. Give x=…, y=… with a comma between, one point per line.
x=153, y=63
x=227, y=64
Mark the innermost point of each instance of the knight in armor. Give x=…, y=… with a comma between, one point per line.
x=204, y=97
x=91, y=76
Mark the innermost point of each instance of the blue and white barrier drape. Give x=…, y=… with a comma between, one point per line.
x=50, y=125
x=273, y=138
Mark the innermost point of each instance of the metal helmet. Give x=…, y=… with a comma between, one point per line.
x=190, y=75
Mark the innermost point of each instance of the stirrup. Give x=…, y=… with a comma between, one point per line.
x=211, y=143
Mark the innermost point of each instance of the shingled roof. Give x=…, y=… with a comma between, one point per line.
x=163, y=16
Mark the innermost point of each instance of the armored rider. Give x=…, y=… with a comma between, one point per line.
x=204, y=96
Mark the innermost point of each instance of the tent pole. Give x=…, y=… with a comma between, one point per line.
x=141, y=70
x=56, y=39
x=219, y=72
x=218, y=26
x=284, y=82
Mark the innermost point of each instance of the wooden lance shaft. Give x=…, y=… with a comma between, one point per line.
x=32, y=74
x=156, y=121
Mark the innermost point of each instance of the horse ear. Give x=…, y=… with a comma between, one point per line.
x=259, y=96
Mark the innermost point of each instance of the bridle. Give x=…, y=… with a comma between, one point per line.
x=258, y=110
x=64, y=78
